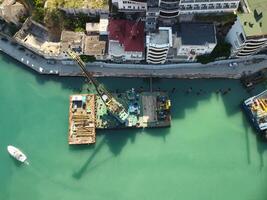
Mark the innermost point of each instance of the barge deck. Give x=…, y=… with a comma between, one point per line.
x=256, y=110
x=145, y=110
x=82, y=119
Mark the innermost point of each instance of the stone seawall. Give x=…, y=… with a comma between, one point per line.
x=219, y=69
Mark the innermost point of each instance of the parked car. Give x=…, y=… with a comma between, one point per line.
x=233, y=64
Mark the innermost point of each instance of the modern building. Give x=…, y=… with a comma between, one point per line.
x=100, y=27
x=169, y=8
x=130, y=5
x=126, y=40
x=172, y=8
x=248, y=35
x=158, y=44
x=207, y=6
x=195, y=39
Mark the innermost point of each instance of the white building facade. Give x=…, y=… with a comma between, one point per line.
x=190, y=52
x=158, y=45
x=248, y=35
x=169, y=8
x=130, y=6
x=117, y=53
x=207, y=6
x=172, y=8
x=195, y=39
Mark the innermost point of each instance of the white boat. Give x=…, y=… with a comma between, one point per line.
x=17, y=154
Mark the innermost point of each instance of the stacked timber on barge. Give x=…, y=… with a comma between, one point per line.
x=256, y=110
x=144, y=110
x=82, y=119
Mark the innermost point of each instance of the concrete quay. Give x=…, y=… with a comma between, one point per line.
x=219, y=69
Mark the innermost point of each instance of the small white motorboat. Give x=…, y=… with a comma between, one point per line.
x=17, y=154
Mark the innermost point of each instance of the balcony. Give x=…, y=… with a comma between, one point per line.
x=169, y=1
x=156, y=57
x=173, y=6
x=168, y=14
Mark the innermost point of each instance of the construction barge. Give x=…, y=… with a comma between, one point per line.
x=88, y=112
x=256, y=109
x=105, y=110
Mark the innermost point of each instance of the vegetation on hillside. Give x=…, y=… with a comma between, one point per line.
x=93, y=4
x=86, y=58
x=49, y=14
x=219, y=18
x=77, y=23
x=221, y=51
x=38, y=12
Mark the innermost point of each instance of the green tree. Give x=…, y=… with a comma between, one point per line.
x=222, y=50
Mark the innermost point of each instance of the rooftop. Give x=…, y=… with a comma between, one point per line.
x=129, y=33
x=197, y=33
x=161, y=37
x=255, y=22
x=93, y=46
x=35, y=37
x=70, y=39
x=100, y=27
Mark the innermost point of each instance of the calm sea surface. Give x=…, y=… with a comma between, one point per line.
x=210, y=152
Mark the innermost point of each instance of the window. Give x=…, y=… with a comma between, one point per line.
x=241, y=38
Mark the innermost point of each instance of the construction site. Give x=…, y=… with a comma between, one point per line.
x=104, y=110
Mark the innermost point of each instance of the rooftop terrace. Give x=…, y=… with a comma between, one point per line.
x=255, y=22
x=162, y=37
x=93, y=46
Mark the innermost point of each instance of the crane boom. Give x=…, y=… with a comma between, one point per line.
x=113, y=105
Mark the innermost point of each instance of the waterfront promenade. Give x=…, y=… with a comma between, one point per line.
x=219, y=69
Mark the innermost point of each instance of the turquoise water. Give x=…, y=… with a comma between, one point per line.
x=210, y=152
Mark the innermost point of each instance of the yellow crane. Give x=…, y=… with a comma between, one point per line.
x=116, y=108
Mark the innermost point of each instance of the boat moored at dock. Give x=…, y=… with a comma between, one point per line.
x=256, y=110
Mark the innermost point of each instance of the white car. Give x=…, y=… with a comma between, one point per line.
x=235, y=64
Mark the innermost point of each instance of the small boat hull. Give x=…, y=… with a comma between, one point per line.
x=16, y=153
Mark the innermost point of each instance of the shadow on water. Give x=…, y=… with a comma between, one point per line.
x=115, y=140
x=16, y=162
x=81, y=171
x=261, y=148
x=159, y=132
x=246, y=128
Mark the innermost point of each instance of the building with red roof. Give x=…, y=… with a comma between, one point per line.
x=126, y=40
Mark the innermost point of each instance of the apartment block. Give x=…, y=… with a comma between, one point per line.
x=130, y=5
x=169, y=8
x=195, y=39
x=172, y=8
x=158, y=44
x=207, y=6
x=248, y=35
